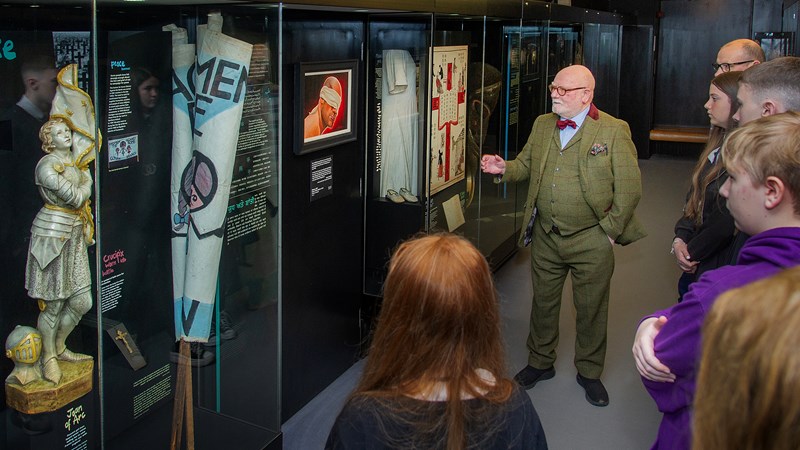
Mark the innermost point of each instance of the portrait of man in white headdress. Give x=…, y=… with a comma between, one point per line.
x=323, y=117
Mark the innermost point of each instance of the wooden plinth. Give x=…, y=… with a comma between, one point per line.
x=42, y=396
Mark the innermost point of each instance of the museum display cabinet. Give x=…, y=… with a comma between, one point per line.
x=125, y=58
x=480, y=82
x=199, y=248
x=430, y=122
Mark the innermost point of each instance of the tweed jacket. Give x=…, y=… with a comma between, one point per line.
x=608, y=170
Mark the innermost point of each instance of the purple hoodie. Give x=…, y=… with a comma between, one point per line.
x=678, y=344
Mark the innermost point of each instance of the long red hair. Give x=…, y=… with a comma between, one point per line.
x=439, y=322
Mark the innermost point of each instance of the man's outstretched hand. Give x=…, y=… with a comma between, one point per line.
x=493, y=164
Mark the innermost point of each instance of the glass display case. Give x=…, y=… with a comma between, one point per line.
x=480, y=82
x=35, y=40
x=397, y=80
x=439, y=99
x=488, y=209
x=158, y=298
x=526, y=70
x=565, y=47
x=532, y=75
x=164, y=228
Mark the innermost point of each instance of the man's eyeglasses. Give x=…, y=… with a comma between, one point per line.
x=562, y=90
x=726, y=67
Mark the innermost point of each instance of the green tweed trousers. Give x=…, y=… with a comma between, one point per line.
x=589, y=257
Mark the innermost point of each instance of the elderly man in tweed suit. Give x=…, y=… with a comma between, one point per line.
x=584, y=184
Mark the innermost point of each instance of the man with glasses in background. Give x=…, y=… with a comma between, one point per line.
x=584, y=184
x=738, y=54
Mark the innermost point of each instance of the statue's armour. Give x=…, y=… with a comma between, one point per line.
x=64, y=188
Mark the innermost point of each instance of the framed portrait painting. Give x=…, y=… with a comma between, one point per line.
x=325, y=102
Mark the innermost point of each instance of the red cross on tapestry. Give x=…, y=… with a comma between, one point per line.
x=448, y=116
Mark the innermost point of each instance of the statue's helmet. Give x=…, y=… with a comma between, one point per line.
x=24, y=345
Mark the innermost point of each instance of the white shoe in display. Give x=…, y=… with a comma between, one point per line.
x=408, y=196
x=392, y=195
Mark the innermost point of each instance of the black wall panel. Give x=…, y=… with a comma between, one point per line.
x=767, y=15
x=636, y=78
x=322, y=244
x=601, y=56
x=691, y=33
x=645, y=11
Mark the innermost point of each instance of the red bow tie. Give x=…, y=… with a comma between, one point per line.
x=561, y=124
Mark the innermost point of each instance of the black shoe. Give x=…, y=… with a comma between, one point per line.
x=226, y=330
x=596, y=393
x=198, y=356
x=212, y=337
x=529, y=376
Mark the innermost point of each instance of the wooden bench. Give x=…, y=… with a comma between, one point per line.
x=692, y=135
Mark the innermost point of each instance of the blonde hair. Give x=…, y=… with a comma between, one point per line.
x=769, y=146
x=46, y=135
x=747, y=389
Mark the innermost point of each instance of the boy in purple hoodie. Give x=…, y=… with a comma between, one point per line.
x=763, y=195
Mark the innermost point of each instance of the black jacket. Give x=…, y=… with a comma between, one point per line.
x=716, y=241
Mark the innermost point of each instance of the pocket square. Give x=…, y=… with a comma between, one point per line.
x=598, y=149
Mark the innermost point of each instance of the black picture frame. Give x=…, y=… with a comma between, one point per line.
x=530, y=56
x=310, y=77
x=775, y=44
